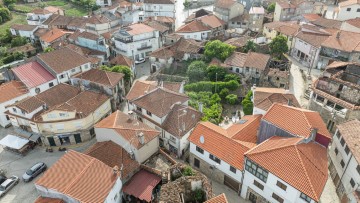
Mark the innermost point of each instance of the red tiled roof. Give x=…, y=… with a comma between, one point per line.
x=350, y=131
x=122, y=60
x=193, y=26
x=306, y=163
x=79, y=176
x=32, y=74
x=48, y=200
x=354, y=22
x=213, y=135
x=247, y=131
x=218, y=199
x=23, y=27
x=52, y=35
x=348, y=3
x=227, y=4
x=138, y=28
x=296, y=121
x=251, y=60
x=265, y=97
x=141, y=185
x=110, y=79
x=344, y=41
x=11, y=90
x=211, y=20
x=128, y=128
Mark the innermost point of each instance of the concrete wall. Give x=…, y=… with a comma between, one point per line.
x=347, y=27
x=43, y=87
x=196, y=35
x=346, y=15
x=3, y=119
x=167, y=10
x=115, y=194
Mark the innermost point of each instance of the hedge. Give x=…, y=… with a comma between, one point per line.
x=204, y=86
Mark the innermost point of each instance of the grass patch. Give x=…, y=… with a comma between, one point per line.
x=24, y=8
x=16, y=19
x=75, y=12
x=56, y=3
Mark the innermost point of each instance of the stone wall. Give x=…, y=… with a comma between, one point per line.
x=213, y=174
x=84, y=134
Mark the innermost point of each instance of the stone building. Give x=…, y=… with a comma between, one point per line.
x=277, y=78
x=336, y=95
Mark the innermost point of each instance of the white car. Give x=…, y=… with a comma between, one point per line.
x=8, y=184
x=140, y=60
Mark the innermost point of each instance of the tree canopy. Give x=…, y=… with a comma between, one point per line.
x=218, y=49
x=216, y=73
x=249, y=46
x=247, y=104
x=196, y=71
x=278, y=46
x=120, y=69
x=271, y=8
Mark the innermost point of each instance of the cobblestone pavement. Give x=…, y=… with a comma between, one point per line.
x=15, y=164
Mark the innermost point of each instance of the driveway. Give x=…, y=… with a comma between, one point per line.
x=15, y=164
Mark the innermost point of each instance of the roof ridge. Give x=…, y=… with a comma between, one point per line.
x=306, y=119
x=107, y=76
x=268, y=150
x=306, y=174
x=116, y=118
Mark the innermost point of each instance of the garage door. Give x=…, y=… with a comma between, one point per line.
x=231, y=183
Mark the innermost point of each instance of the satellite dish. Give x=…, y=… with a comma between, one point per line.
x=202, y=139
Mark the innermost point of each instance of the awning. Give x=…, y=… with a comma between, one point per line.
x=141, y=185
x=34, y=137
x=13, y=142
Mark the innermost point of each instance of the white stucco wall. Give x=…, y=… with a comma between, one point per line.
x=167, y=10
x=3, y=120
x=346, y=15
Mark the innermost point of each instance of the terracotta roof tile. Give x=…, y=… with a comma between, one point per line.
x=311, y=16
x=97, y=19
x=122, y=60
x=157, y=26
x=160, y=101
x=181, y=120
x=285, y=28
x=12, y=90
x=23, y=27
x=89, y=35
x=354, y=22
x=327, y=23
x=137, y=29
x=211, y=20
x=227, y=4
x=128, y=128
x=246, y=131
x=114, y=155
x=48, y=200
x=265, y=99
x=297, y=121
x=251, y=60
x=79, y=176
x=238, y=41
x=40, y=11
x=306, y=163
x=55, y=59
x=348, y=3
x=213, y=135
x=178, y=49
x=344, y=41
x=102, y=77
x=193, y=26
x=32, y=74
x=313, y=38
x=350, y=131
x=159, y=1
x=52, y=35
x=218, y=199
x=53, y=9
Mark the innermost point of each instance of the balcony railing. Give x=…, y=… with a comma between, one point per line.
x=145, y=47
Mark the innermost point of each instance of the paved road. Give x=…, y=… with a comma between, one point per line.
x=231, y=195
x=182, y=14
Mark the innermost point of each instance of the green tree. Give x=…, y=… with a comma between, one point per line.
x=249, y=46
x=271, y=8
x=278, y=46
x=223, y=93
x=216, y=73
x=247, y=104
x=187, y=4
x=218, y=49
x=8, y=2
x=5, y=38
x=120, y=69
x=188, y=171
x=49, y=49
x=18, y=41
x=196, y=71
x=232, y=76
x=231, y=99
x=5, y=14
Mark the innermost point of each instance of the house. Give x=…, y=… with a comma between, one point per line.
x=56, y=64
x=294, y=122
x=60, y=120
x=123, y=61
x=328, y=24
x=35, y=77
x=348, y=10
x=109, y=83
x=263, y=98
x=93, y=42
x=114, y=155
x=137, y=138
x=99, y=24
x=238, y=42
x=52, y=36
x=291, y=10
x=136, y=41
x=284, y=11
x=71, y=179
x=159, y=8
x=339, y=47
x=256, y=18
x=65, y=22
x=351, y=25
x=164, y=30
x=252, y=65
x=223, y=162
x=277, y=78
x=37, y=16
x=10, y=92
x=183, y=49
x=197, y=14
x=344, y=164
x=166, y=21
x=302, y=180
x=103, y=3
x=203, y=28
x=24, y=31
x=228, y=9
x=307, y=45
x=218, y=199
x=241, y=21
x=287, y=29
x=336, y=94
x=130, y=12
x=95, y=57
x=54, y=10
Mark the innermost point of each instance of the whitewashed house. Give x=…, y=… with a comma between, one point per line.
x=136, y=41
x=159, y=8
x=24, y=31
x=37, y=16
x=93, y=42
x=137, y=138
x=344, y=165
x=348, y=10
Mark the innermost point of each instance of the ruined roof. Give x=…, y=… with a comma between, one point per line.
x=238, y=41
x=251, y=60
x=23, y=27
x=122, y=60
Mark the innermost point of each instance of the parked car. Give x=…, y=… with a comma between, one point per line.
x=140, y=60
x=2, y=179
x=8, y=184
x=34, y=171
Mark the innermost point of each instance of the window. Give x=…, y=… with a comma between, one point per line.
x=342, y=141
x=259, y=185
x=51, y=84
x=358, y=10
x=330, y=125
x=347, y=150
x=196, y=163
x=341, y=86
x=139, y=109
x=330, y=104
x=7, y=117
x=336, y=150
x=199, y=150
x=51, y=115
x=232, y=169
x=62, y=76
x=214, y=158
x=14, y=110
x=338, y=135
x=23, y=112
x=277, y=198
x=352, y=182
x=320, y=99
x=73, y=70
x=256, y=170
x=60, y=126
x=338, y=107
x=348, y=9
x=305, y=197
x=281, y=185
x=64, y=114
x=148, y=113
x=342, y=163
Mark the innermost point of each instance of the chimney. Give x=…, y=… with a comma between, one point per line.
x=201, y=107
x=141, y=138
x=289, y=102
x=338, y=35
x=116, y=170
x=313, y=133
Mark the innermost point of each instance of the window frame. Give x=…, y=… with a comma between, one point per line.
x=214, y=158
x=258, y=185
x=232, y=169
x=281, y=185
x=200, y=150
x=277, y=198
x=305, y=197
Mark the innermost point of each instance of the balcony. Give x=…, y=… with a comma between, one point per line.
x=333, y=56
x=144, y=48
